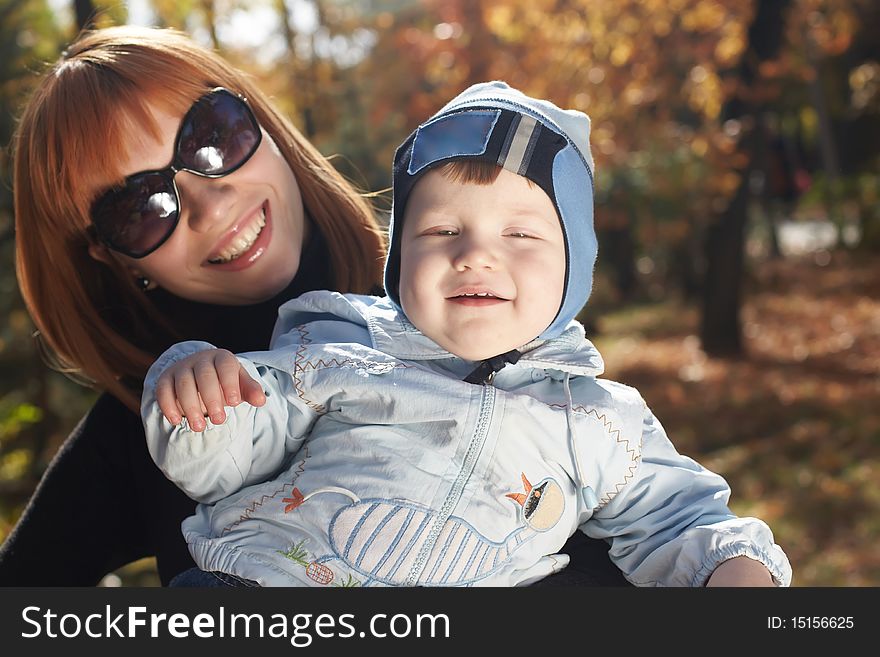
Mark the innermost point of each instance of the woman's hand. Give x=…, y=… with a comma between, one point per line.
x=202, y=384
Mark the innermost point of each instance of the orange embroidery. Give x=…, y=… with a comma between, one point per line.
x=520, y=498
x=296, y=498
x=319, y=572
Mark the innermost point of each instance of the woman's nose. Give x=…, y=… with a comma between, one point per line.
x=204, y=201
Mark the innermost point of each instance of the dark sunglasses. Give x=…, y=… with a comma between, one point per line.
x=217, y=135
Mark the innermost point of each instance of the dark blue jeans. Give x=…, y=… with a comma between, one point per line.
x=198, y=578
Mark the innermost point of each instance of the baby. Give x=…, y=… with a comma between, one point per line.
x=455, y=432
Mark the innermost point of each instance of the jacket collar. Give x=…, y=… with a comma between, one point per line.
x=393, y=334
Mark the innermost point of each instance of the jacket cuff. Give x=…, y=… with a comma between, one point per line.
x=778, y=566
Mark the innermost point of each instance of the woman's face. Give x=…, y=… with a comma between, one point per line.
x=238, y=239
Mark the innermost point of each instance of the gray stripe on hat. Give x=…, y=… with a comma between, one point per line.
x=521, y=146
x=505, y=147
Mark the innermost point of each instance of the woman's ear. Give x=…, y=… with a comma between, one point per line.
x=101, y=253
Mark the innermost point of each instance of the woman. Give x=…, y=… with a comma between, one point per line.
x=159, y=196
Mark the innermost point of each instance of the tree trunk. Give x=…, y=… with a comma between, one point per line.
x=211, y=22
x=686, y=266
x=85, y=14
x=721, y=328
x=481, y=42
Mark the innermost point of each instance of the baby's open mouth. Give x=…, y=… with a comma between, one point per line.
x=477, y=296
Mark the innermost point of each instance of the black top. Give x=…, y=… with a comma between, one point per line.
x=102, y=503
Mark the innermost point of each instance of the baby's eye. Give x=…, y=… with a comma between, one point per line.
x=443, y=231
x=519, y=234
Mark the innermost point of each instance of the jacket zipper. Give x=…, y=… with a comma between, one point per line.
x=487, y=405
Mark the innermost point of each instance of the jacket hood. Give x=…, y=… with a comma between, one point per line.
x=493, y=122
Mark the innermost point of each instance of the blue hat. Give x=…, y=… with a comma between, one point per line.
x=493, y=122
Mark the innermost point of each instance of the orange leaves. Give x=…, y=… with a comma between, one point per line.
x=654, y=75
x=731, y=45
x=703, y=17
x=703, y=91
x=621, y=52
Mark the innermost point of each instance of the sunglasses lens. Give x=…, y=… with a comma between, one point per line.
x=139, y=217
x=218, y=135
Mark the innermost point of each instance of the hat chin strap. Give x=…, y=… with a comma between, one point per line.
x=485, y=371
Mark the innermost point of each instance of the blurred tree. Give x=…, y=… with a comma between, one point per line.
x=28, y=419
x=85, y=11
x=678, y=91
x=720, y=327
x=210, y=15
x=193, y=16
x=647, y=72
x=302, y=64
x=173, y=13
x=90, y=14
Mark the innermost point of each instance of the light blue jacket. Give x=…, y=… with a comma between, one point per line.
x=373, y=463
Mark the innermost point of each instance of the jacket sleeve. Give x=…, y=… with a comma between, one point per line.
x=670, y=525
x=248, y=448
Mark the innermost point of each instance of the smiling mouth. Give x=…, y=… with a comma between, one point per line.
x=479, y=298
x=242, y=242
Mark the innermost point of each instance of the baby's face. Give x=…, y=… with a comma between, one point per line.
x=482, y=267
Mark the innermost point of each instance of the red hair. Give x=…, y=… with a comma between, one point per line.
x=82, y=113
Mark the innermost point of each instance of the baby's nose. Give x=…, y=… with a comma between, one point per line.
x=475, y=254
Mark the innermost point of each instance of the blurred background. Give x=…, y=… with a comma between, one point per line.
x=737, y=146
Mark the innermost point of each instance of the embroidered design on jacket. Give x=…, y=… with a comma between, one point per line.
x=301, y=365
x=315, y=570
x=378, y=539
x=634, y=454
x=296, y=498
x=255, y=505
x=541, y=505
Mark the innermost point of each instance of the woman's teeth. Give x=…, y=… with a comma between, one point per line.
x=242, y=242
